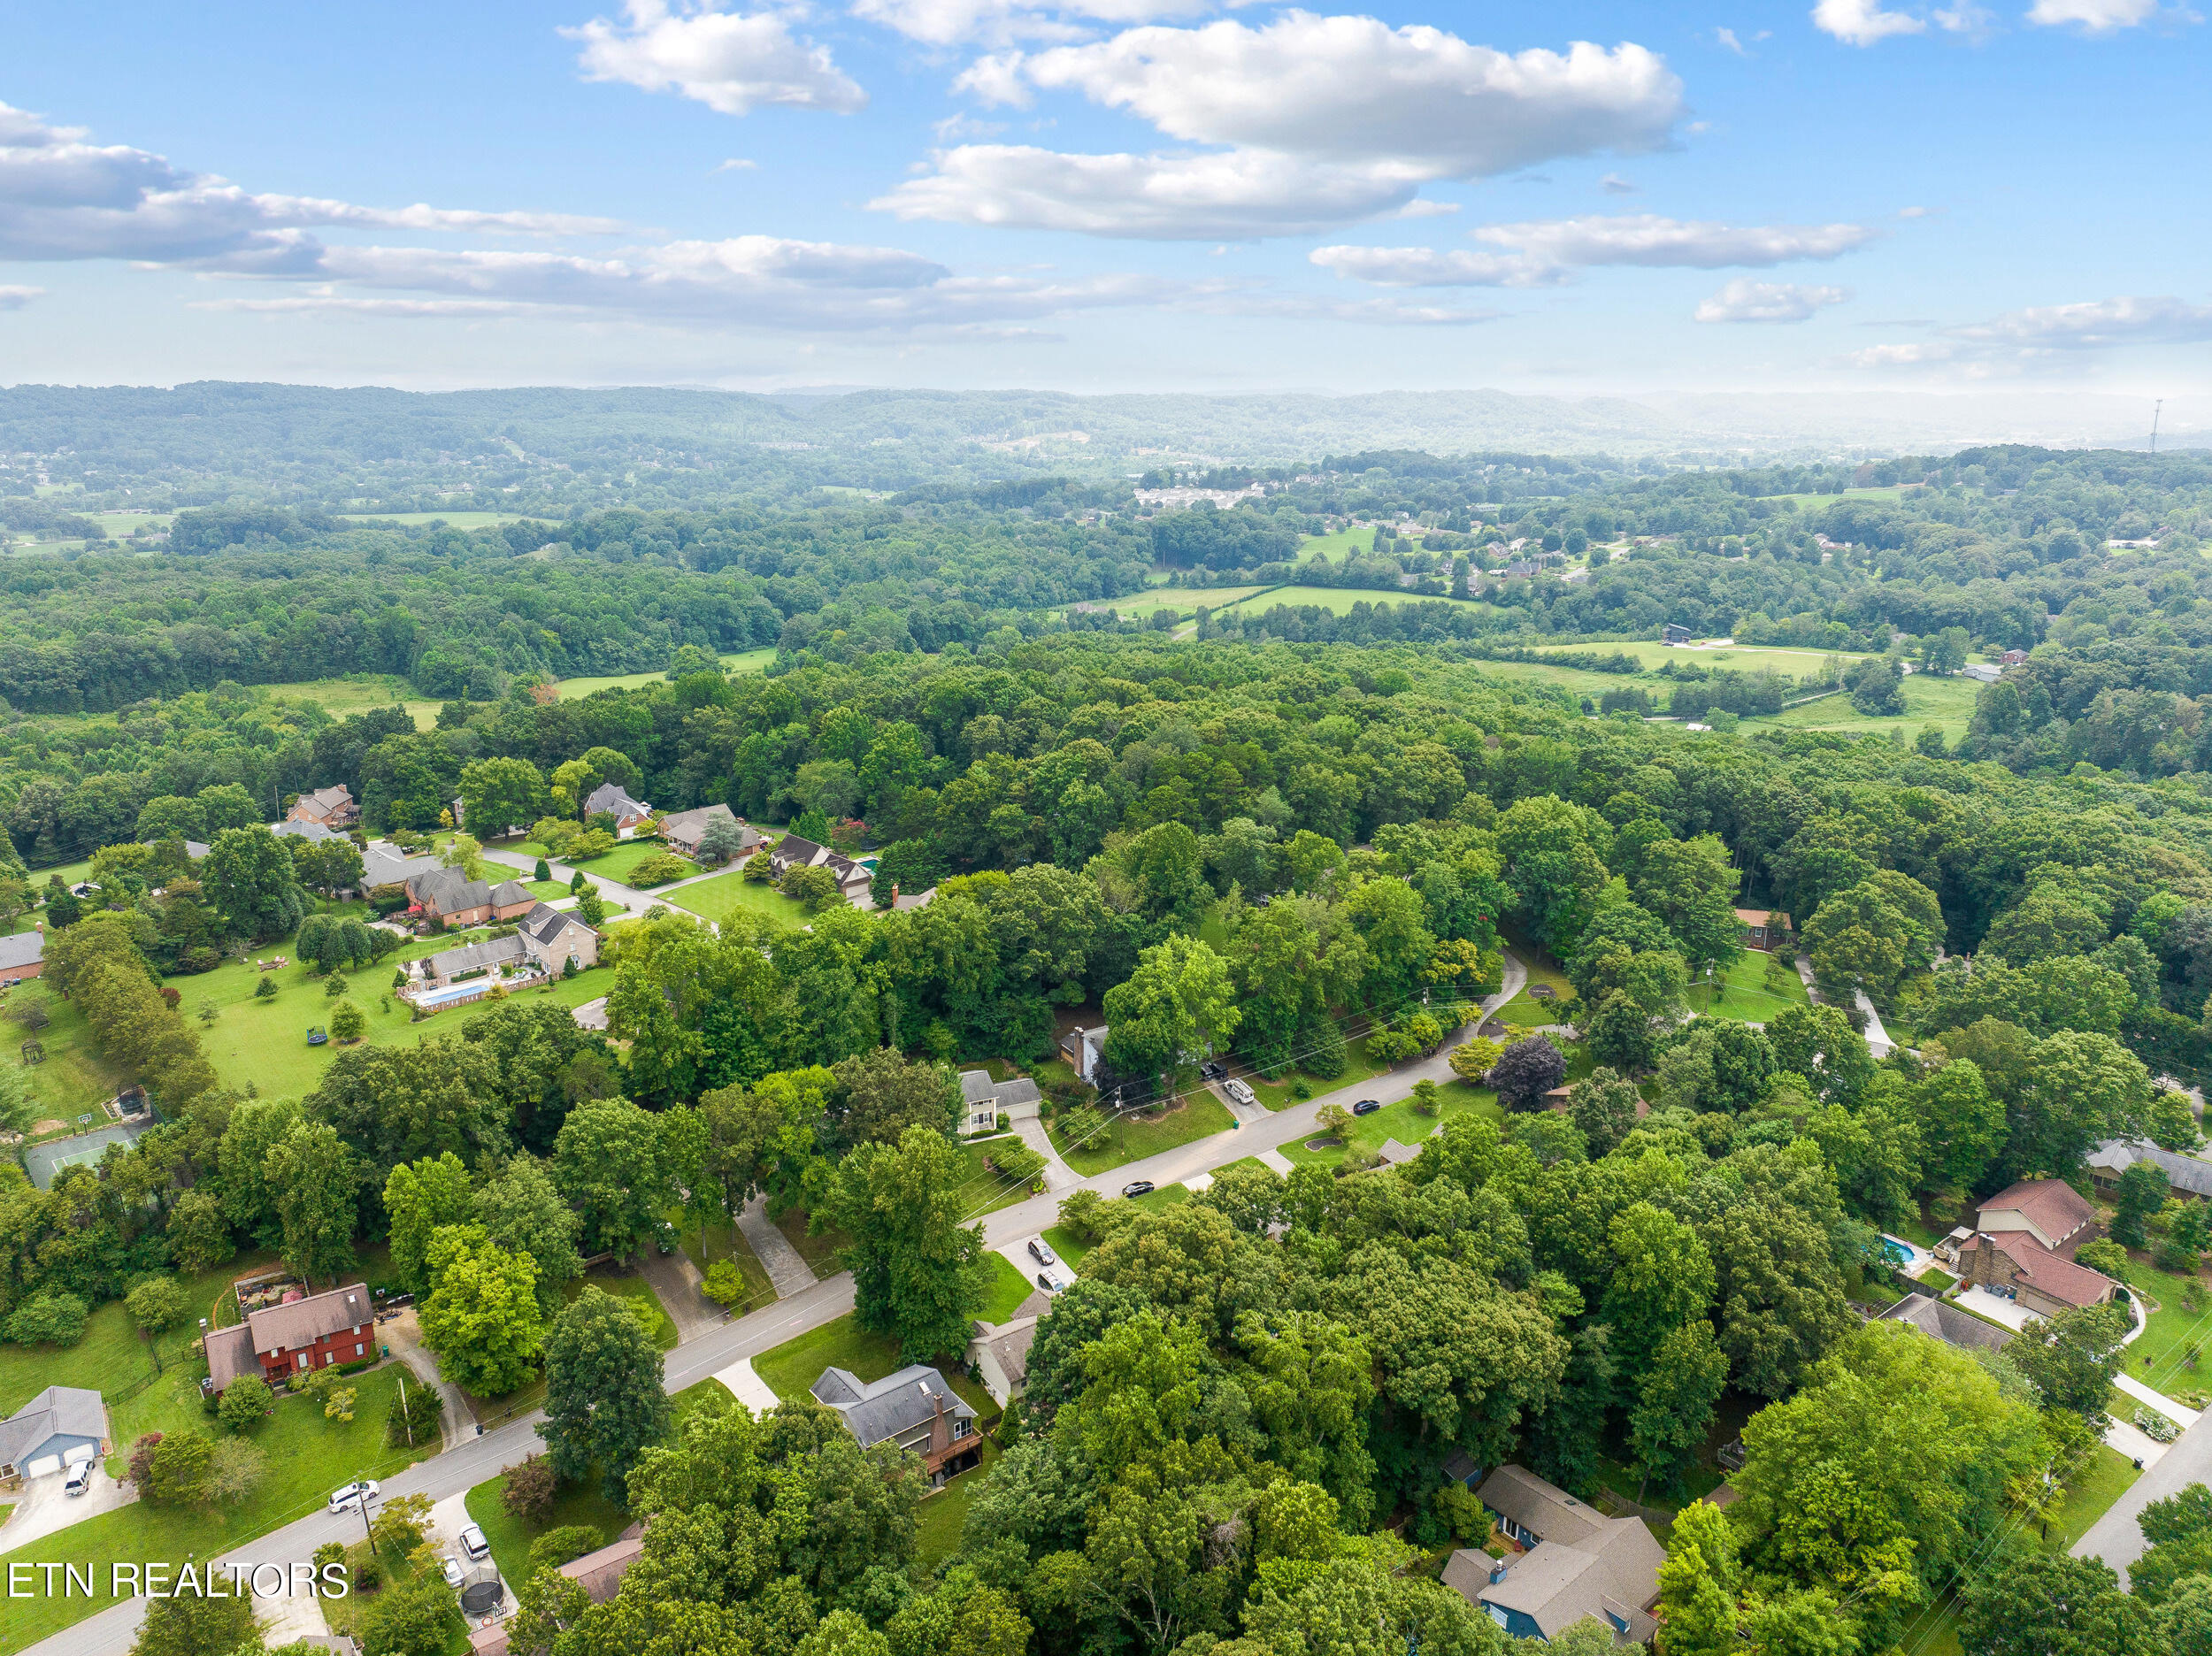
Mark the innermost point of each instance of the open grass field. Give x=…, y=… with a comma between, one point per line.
x=1947, y=703
x=307, y=1456
x=510, y=1536
x=939, y=1520
x=1525, y=1011
x=264, y=1042
x=1340, y=600
x=618, y=864
x=1733, y=658
x=575, y=689
x=358, y=694
x=1806, y=502
x=793, y=1367
x=1743, y=992
x=1401, y=1120
x=1008, y=1288
x=1182, y=600
x=1335, y=546
x=724, y=895
x=1091, y=1144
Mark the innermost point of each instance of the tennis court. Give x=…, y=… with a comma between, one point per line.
x=45, y=1161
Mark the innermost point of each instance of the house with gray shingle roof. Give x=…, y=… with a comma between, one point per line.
x=59, y=1427
x=913, y=1408
x=1579, y=1563
x=2185, y=1175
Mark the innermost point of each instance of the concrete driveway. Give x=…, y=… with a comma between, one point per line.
x=41, y=1506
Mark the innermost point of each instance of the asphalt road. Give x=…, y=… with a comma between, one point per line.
x=2117, y=1537
x=474, y=1460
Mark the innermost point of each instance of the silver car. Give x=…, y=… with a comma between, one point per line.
x=473, y=1544
x=1041, y=1251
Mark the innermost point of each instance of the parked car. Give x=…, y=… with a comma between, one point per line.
x=353, y=1495
x=454, y=1573
x=1052, y=1280
x=1137, y=1187
x=1366, y=1106
x=80, y=1479
x=473, y=1544
x=1214, y=1069
x=1042, y=1251
x=1240, y=1094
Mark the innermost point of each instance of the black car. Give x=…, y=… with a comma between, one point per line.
x=1366, y=1106
x=1213, y=1069
x=1137, y=1187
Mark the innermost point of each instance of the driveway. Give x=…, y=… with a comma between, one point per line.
x=679, y=1283
x=404, y=1335
x=1057, y=1175
x=786, y=1266
x=2117, y=1537
x=41, y=1507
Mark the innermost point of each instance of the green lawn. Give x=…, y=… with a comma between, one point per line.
x=1008, y=1288
x=1401, y=1120
x=723, y=1240
x=2156, y=1358
x=342, y=697
x=1340, y=600
x=719, y=898
x=113, y=1356
x=985, y=1190
x=1156, y=1200
x=1524, y=1011
x=819, y=1251
x=1065, y=1244
x=1110, y=1142
x=264, y=1042
x=792, y=1368
x=939, y=1520
x=307, y=1456
x=1181, y=600
x=510, y=1536
x=1947, y=703
x=1743, y=992
x=618, y=862
x=2102, y=1480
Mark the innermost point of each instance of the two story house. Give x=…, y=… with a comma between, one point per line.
x=1579, y=1563
x=279, y=1341
x=331, y=808
x=913, y=1408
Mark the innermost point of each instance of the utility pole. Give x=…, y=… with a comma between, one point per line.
x=403, y=1413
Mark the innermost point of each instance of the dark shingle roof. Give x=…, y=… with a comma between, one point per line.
x=57, y=1411
x=877, y=1410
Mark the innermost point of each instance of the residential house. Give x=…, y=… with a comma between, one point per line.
x=384, y=864
x=2049, y=1210
x=2012, y=658
x=1763, y=928
x=332, y=807
x=2013, y=1264
x=1082, y=1047
x=195, y=849
x=1001, y=1357
x=1981, y=673
x=1520, y=567
x=2185, y=1175
x=983, y=1100
x=683, y=830
x=611, y=799
x=1939, y=1319
x=295, y=828
x=1673, y=633
x=913, y=1408
x=1396, y=1154
x=449, y=897
x=791, y=852
x=61, y=1426
x=279, y=1341
x=22, y=954
x=1578, y=1564
x=545, y=939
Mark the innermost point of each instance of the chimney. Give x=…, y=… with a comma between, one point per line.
x=1497, y=1571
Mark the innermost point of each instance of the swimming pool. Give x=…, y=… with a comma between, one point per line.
x=452, y=994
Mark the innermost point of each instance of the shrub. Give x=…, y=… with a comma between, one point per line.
x=415, y=1406
x=593, y=842
x=50, y=1319
x=156, y=1304
x=541, y=873
x=348, y=1022
x=364, y=1570
x=2101, y=1256
x=528, y=1491
x=140, y=1466
x=333, y=986
x=1525, y=1071
x=2155, y=1426
x=1427, y=1101
x=659, y=869
x=2169, y=1255
x=556, y=1547
x=816, y=887
x=329, y=1552
x=724, y=1283
x=245, y=1402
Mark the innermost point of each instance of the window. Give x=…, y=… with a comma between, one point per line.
x=1620, y=1624
x=960, y=1429
x=360, y=1349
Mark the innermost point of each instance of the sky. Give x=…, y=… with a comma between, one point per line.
x=1573, y=199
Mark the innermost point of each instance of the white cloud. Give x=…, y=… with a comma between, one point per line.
x=731, y=62
x=1238, y=194
x=2096, y=324
x=2092, y=17
x=64, y=197
x=1914, y=213
x=1862, y=22
x=1325, y=120
x=738, y=164
x=1426, y=267
x=1727, y=38
x=1913, y=356
x=1747, y=301
x=952, y=22
x=1647, y=239
x=16, y=298
x=1614, y=184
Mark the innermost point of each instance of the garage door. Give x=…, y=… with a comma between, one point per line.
x=81, y=1453
x=45, y=1465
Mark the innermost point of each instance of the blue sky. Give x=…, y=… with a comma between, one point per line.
x=1125, y=195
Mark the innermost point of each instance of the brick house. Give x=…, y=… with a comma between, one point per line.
x=2013, y=1263
x=683, y=830
x=1763, y=930
x=2049, y=1210
x=277, y=1342
x=22, y=954
x=611, y=798
x=334, y=808
x=446, y=896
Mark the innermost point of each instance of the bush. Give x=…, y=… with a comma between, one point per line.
x=528, y=1491
x=593, y=842
x=1525, y=1071
x=348, y=1022
x=556, y=1547
x=177, y=1470
x=419, y=1407
x=156, y=1304
x=757, y=867
x=2108, y=1257
x=139, y=1469
x=2169, y=1255
x=333, y=986
x=659, y=869
x=245, y=1402
x=1472, y=1059
x=329, y=1552
x=541, y=873
x=724, y=1283
x=816, y=887
x=2155, y=1426
x=412, y=1620
x=364, y=1570
x=52, y=1319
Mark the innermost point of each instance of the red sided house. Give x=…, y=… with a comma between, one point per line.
x=278, y=1341
x=1763, y=929
x=22, y=955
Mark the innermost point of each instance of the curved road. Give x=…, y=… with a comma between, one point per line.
x=474, y=1460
